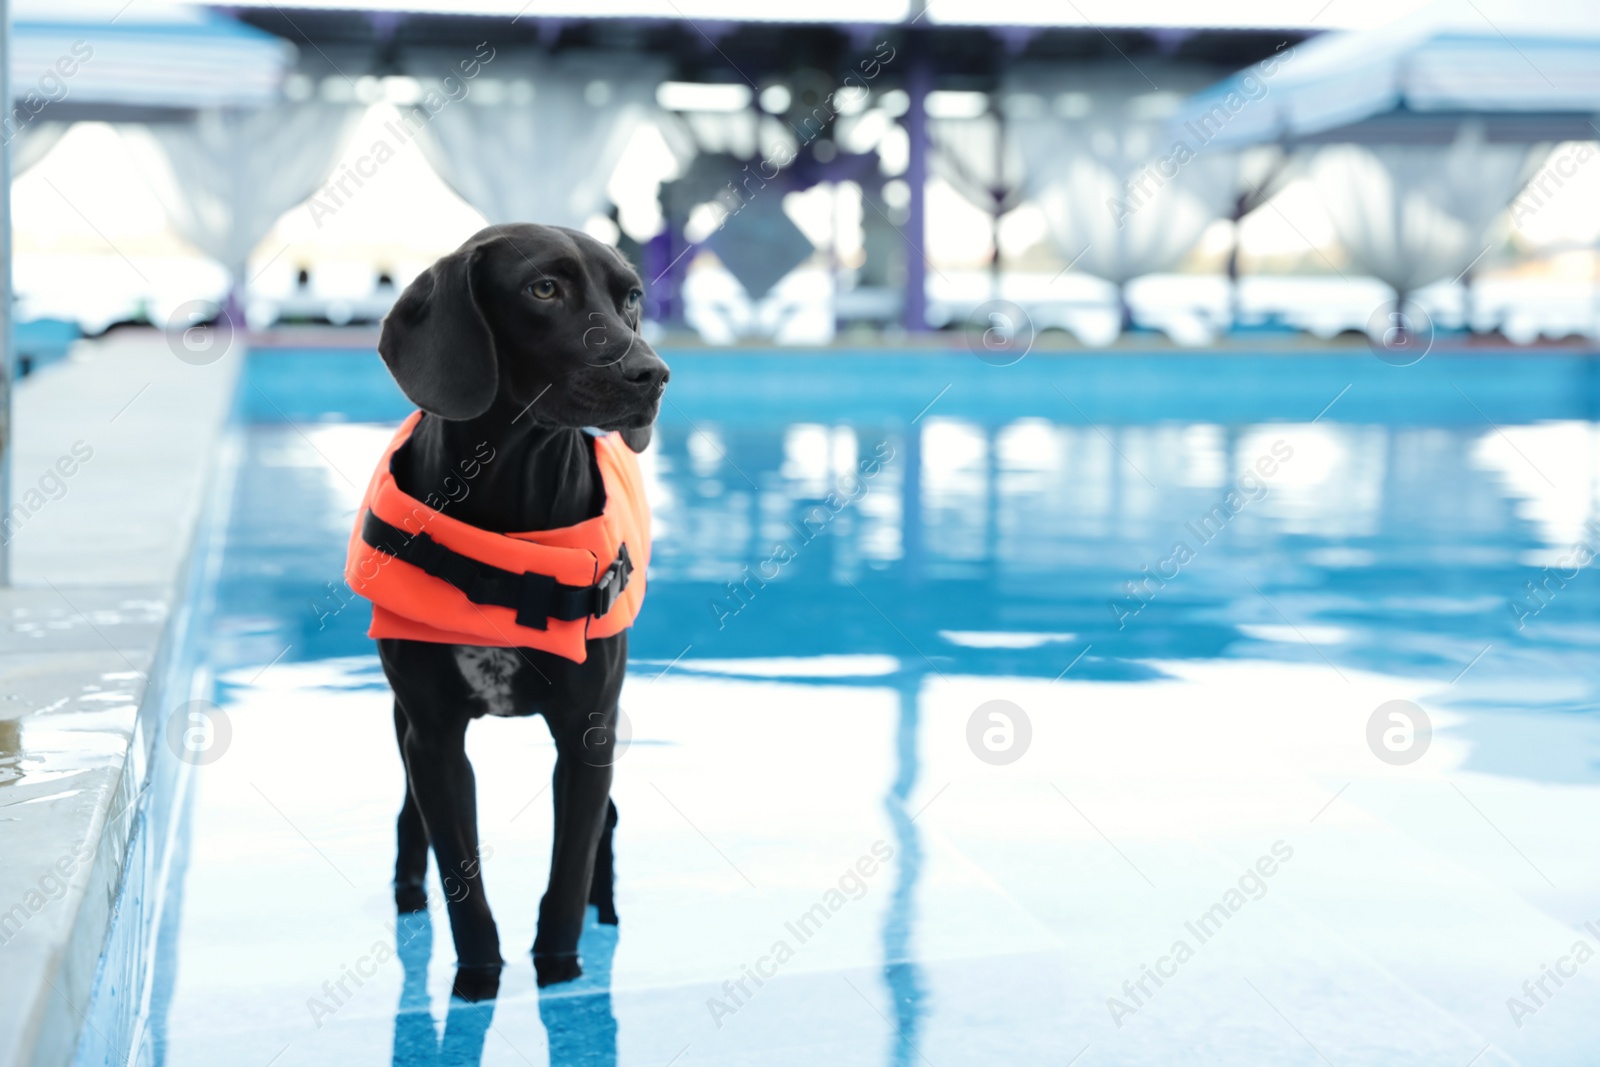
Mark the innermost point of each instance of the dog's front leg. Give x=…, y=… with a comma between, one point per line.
x=411, y=839
x=581, y=789
x=441, y=780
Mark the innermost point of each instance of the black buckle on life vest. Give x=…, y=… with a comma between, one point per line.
x=612, y=582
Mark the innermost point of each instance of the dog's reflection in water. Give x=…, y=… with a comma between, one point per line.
x=416, y=1042
x=577, y=1017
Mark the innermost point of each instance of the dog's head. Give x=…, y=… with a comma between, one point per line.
x=541, y=318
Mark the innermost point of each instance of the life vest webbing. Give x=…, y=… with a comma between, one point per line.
x=537, y=598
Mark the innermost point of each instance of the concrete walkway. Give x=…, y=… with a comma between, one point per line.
x=113, y=448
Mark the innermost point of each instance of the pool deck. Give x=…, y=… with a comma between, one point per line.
x=113, y=447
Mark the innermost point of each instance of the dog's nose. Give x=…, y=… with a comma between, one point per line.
x=651, y=375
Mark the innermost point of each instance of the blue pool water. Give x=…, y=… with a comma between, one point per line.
x=1197, y=576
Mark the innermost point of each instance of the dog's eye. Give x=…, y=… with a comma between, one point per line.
x=633, y=298
x=544, y=289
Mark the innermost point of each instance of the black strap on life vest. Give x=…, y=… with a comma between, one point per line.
x=537, y=598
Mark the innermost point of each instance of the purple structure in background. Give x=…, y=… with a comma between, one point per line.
x=919, y=80
x=659, y=264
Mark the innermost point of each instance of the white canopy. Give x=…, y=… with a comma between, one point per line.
x=1119, y=204
x=1414, y=214
x=538, y=138
x=1509, y=57
x=234, y=171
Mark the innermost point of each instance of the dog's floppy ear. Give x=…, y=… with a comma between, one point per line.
x=437, y=343
x=639, y=439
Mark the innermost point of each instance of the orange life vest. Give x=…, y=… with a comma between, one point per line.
x=434, y=578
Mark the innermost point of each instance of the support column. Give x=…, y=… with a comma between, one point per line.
x=919, y=80
x=7, y=304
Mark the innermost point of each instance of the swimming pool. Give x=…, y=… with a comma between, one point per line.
x=1197, y=576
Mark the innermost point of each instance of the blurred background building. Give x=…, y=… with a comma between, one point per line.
x=812, y=172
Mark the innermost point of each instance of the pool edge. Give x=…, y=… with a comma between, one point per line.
x=60, y=950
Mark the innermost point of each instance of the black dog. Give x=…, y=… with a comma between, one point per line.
x=519, y=339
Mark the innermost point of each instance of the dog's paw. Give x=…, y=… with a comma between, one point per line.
x=477, y=983
x=410, y=898
x=549, y=970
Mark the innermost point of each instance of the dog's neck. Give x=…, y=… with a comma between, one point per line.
x=502, y=471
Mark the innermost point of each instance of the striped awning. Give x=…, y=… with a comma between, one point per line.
x=94, y=58
x=1534, y=64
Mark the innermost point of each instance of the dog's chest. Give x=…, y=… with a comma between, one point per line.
x=542, y=480
x=491, y=675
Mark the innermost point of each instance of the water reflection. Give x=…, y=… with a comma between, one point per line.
x=902, y=976
x=1401, y=519
x=578, y=1020
x=417, y=1040
x=1407, y=544
x=580, y=1026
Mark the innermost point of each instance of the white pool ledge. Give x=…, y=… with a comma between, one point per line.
x=113, y=451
